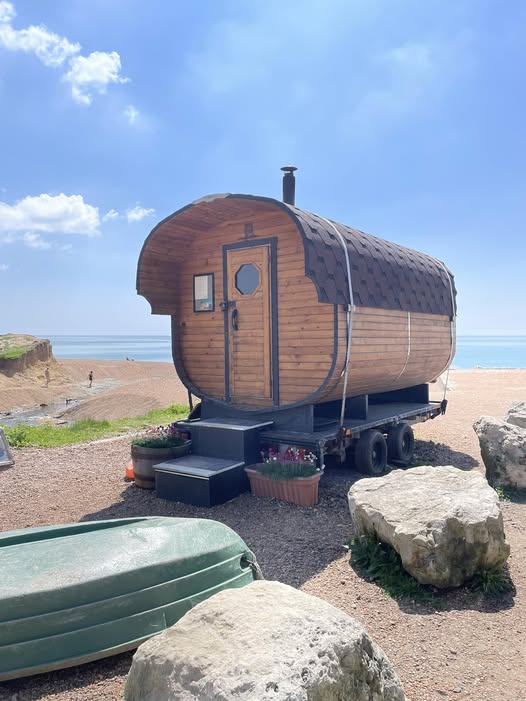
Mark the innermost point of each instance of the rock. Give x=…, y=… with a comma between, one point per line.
x=263, y=641
x=444, y=523
x=516, y=414
x=503, y=450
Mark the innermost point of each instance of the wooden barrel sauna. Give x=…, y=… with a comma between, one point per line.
x=262, y=310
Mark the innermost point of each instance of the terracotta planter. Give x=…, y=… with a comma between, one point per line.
x=145, y=458
x=302, y=491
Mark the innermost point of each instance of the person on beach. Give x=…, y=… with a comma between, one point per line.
x=90, y=378
x=46, y=376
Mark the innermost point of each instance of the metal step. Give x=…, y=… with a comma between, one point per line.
x=233, y=424
x=229, y=439
x=198, y=465
x=200, y=480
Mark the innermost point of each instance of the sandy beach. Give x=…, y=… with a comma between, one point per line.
x=459, y=647
x=120, y=389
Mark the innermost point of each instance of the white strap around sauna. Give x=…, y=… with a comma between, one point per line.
x=350, y=308
x=451, y=325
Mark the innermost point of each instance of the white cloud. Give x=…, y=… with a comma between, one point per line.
x=60, y=214
x=86, y=74
x=32, y=240
x=131, y=114
x=112, y=214
x=7, y=12
x=93, y=73
x=49, y=47
x=138, y=213
x=3, y=266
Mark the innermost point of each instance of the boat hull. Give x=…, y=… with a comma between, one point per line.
x=76, y=593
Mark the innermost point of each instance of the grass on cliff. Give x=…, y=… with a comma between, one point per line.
x=15, y=345
x=13, y=352
x=51, y=436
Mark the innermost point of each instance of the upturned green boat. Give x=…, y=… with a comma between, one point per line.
x=75, y=593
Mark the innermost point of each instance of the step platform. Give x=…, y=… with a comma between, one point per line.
x=200, y=480
x=230, y=439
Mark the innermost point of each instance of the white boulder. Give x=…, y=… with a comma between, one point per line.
x=263, y=641
x=503, y=450
x=444, y=523
x=516, y=414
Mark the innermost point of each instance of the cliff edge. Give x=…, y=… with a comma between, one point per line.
x=30, y=357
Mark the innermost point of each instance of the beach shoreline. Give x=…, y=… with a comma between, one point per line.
x=120, y=389
x=124, y=389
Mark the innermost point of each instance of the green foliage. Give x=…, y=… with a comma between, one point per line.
x=18, y=436
x=15, y=345
x=51, y=436
x=89, y=424
x=382, y=564
x=287, y=470
x=13, y=352
x=492, y=581
x=511, y=494
x=157, y=441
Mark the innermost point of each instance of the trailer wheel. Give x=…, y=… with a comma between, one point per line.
x=371, y=453
x=400, y=445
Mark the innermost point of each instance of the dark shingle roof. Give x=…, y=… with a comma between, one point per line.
x=383, y=274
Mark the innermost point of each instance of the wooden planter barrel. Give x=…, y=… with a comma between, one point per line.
x=145, y=458
x=302, y=491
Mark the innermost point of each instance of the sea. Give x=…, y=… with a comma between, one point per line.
x=472, y=351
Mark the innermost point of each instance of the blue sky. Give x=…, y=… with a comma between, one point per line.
x=405, y=118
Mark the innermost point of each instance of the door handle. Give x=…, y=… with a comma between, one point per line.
x=235, y=319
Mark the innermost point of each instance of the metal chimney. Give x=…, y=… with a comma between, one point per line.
x=289, y=185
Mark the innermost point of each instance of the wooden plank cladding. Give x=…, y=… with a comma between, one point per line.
x=273, y=333
x=392, y=350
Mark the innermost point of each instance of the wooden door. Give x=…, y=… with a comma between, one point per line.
x=249, y=335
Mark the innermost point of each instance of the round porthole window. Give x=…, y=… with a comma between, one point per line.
x=247, y=279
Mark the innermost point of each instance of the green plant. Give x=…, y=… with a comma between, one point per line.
x=15, y=345
x=86, y=424
x=288, y=464
x=492, y=581
x=51, y=436
x=18, y=436
x=13, y=352
x=286, y=470
x=502, y=494
x=382, y=564
x=148, y=441
x=511, y=494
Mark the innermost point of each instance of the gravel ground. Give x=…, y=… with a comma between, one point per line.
x=461, y=647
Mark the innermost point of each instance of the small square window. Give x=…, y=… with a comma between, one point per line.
x=204, y=293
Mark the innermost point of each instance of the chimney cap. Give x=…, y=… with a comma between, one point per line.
x=289, y=169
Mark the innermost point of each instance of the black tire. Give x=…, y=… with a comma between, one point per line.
x=370, y=455
x=400, y=445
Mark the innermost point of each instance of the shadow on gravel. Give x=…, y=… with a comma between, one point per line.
x=389, y=577
x=291, y=543
x=512, y=495
x=431, y=453
x=71, y=680
x=461, y=599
